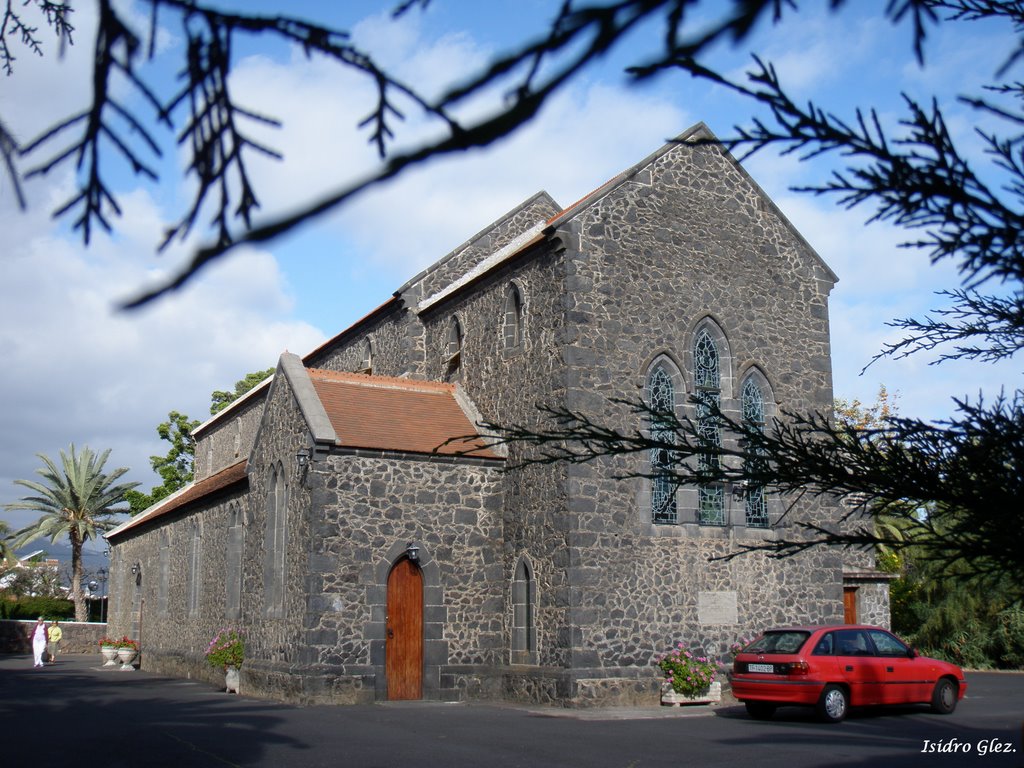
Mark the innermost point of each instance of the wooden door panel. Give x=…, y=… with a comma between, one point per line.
x=850, y=605
x=404, y=656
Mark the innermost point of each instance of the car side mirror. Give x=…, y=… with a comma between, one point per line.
x=911, y=653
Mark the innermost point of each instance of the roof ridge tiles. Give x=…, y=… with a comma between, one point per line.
x=382, y=382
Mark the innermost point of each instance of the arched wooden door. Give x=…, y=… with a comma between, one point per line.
x=404, y=657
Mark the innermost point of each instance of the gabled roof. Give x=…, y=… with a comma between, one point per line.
x=391, y=414
x=216, y=483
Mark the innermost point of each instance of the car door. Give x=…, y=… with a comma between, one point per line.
x=859, y=667
x=904, y=681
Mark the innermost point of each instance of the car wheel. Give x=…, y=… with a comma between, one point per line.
x=944, y=697
x=833, y=704
x=760, y=710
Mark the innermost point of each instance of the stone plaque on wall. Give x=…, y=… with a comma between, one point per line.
x=717, y=608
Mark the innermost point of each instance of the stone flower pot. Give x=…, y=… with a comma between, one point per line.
x=109, y=653
x=126, y=656
x=670, y=698
x=231, y=679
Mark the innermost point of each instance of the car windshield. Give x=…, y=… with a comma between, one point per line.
x=783, y=641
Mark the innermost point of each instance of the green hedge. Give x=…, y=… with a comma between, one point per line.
x=34, y=607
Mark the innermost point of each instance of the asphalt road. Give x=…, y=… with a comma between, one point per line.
x=76, y=714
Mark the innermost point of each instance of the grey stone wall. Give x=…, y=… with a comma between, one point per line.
x=367, y=509
x=153, y=608
x=78, y=637
x=686, y=239
x=440, y=275
x=226, y=441
x=389, y=339
x=506, y=385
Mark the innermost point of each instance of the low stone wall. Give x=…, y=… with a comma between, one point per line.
x=78, y=637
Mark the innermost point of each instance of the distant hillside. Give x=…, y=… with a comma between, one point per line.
x=92, y=557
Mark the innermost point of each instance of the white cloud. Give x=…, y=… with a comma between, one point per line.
x=79, y=370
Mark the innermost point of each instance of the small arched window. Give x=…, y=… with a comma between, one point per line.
x=454, y=347
x=661, y=396
x=514, y=319
x=708, y=382
x=366, y=358
x=752, y=403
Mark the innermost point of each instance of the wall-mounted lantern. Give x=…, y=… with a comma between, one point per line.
x=412, y=552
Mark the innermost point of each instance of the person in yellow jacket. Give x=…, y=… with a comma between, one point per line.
x=53, y=636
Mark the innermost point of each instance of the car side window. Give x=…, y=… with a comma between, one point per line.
x=824, y=646
x=852, y=642
x=887, y=645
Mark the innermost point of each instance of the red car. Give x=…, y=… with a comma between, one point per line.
x=835, y=667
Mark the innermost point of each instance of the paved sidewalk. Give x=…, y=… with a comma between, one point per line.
x=79, y=713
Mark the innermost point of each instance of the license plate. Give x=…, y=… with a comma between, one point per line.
x=760, y=668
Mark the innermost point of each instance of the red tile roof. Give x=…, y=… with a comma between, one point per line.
x=391, y=414
x=217, y=482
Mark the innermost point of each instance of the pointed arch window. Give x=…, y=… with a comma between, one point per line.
x=454, y=348
x=235, y=548
x=756, y=506
x=276, y=544
x=661, y=397
x=366, y=359
x=524, y=628
x=163, y=573
x=513, y=329
x=194, y=568
x=708, y=382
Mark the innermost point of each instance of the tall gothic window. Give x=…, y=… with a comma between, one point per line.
x=235, y=548
x=276, y=544
x=753, y=417
x=163, y=574
x=513, y=329
x=194, y=569
x=708, y=383
x=524, y=601
x=661, y=396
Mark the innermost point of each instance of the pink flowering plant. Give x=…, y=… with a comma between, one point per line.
x=226, y=649
x=725, y=665
x=686, y=673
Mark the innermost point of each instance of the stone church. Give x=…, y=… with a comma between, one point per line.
x=362, y=563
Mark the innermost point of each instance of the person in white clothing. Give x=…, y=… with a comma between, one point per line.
x=39, y=641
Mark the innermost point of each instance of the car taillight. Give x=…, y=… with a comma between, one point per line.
x=799, y=668
x=738, y=668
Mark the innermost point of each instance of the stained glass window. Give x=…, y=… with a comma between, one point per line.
x=708, y=378
x=661, y=397
x=753, y=416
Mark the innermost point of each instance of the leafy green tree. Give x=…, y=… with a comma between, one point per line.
x=76, y=499
x=945, y=616
x=220, y=399
x=176, y=467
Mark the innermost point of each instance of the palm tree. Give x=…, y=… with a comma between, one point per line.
x=77, y=500
x=7, y=556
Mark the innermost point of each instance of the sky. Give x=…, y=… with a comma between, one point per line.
x=79, y=370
